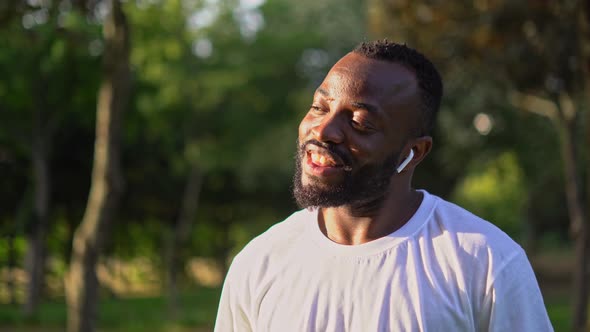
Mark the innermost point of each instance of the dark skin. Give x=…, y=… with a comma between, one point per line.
x=368, y=109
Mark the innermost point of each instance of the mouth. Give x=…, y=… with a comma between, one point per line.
x=320, y=162
x=322, y=157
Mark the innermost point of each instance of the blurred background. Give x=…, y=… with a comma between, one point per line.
x=143, y=143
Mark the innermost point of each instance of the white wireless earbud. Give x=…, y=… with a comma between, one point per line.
x=406, y=161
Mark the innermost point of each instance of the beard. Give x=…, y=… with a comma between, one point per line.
x=364, y=188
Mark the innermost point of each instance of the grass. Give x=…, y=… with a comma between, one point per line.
x=197, y=311
x=554, y=268
x=559, y=310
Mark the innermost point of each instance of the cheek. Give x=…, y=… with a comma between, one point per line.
x=369, y=151
x=361, y=153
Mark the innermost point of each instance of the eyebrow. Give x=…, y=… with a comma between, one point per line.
x=322, y=92
x=365, y=106
x=368, y=107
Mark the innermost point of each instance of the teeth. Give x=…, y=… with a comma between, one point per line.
x=315, y=158
x=321, y=160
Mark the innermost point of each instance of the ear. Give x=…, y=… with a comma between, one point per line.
x=421, y=146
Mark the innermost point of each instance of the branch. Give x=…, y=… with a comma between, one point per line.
x=567, y=107
x=533, y=104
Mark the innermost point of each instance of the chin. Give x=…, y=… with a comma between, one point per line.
x=309, y=193
x=318, y=183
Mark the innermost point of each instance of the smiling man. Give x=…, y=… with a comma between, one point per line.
x=369, y=252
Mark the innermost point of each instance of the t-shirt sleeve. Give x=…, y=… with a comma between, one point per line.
x=514, y=302
x=231, y=315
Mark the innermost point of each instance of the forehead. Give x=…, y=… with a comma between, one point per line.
x=359, y=77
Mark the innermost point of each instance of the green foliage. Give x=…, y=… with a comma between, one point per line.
x=559, y=310
x=19, y=249
x=495, y=192
x=197, y=310
x=226, y=92
x=233, y=111
x=486, y=51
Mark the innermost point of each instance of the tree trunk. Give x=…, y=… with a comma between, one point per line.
x=107, y=180
x=581, y=235
x=35, y=256
x=11, y=265
x=577, y=227
x=531, y=233
x=225, y=250
x=179, y=235
x=573, y=195
x=582, y=275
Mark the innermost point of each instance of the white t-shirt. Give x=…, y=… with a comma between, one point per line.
x=444, y=270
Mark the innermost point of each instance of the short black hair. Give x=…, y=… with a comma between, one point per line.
x=429, y=80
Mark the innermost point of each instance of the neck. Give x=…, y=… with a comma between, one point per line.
x=361, y=223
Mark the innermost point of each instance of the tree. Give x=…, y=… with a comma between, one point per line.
x=107, y=181
x=36, y=116
x=180, y=234
x=471, y=37
x=32, y=109
x=582, y=277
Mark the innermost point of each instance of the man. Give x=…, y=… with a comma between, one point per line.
x=369, y=253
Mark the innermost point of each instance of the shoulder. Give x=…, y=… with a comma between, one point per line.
x=483, y=257
x=472, y=233
x=275, y=242
x=465, y=242
x=251, y=268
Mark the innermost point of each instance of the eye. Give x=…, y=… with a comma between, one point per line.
x=362, y=126
x=317, y=109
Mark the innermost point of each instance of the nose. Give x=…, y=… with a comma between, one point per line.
x=329, y=130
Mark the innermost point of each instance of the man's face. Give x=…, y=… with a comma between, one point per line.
x=351, y=139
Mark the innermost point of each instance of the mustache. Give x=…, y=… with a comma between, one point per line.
x=331, y=148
